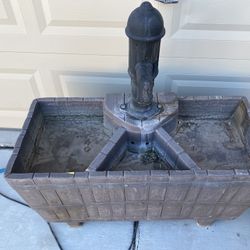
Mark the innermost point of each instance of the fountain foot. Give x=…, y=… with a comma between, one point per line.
x=75, y=224
x=205, y=222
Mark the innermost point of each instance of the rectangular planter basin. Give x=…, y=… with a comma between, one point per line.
x=69, y=168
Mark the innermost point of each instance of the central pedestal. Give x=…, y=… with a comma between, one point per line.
x=140, y=131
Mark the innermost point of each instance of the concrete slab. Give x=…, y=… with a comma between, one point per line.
x=8, y=137
x=95, y=235
x=183, y=235
x=23, y=229
x=4, y=157
x=4, y=186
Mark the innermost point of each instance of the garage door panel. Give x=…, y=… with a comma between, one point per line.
x=85, y=13
x=79, y=48
x=90, y=84
x=12, y=119
x=209, y=85
x=11, y=21
x=18, y=89
x=212, y=20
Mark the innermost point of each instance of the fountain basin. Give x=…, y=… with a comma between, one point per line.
x=70, y=168
x=214, y=132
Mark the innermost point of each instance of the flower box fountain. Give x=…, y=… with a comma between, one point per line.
x=140, y=156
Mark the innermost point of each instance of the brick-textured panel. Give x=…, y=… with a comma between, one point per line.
x=82, y=181
x=100, y=193
x=77, y=213
x=65, y=189
x=194, y=106
x=135, y=195
x=50, y=195
x=119, y=210
x=154, y=210
x=171, y=210
x=136, y=187
x=48, y=214
x=116, y=186
x=136, y=210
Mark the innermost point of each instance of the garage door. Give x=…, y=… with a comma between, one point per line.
x=79, y=48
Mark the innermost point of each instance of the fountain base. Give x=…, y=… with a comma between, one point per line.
x=140, y=131
x=169, y=181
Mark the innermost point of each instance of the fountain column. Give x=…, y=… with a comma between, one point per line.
x=141, y=112
x=145, y=29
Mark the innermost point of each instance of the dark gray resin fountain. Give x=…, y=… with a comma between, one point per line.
x=139, y=156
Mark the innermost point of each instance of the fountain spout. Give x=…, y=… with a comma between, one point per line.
x=142, y=112
x=145, y=29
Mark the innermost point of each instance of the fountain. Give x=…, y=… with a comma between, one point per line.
x=138, y=156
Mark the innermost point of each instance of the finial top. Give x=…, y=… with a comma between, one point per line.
x=145, y=24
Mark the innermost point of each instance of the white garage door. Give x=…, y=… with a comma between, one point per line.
x=79, y=48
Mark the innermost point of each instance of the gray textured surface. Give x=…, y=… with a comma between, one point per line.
x=183, y=235
x=95, y=236
x=22, y=229
x=213, y=144
x=8, y=136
